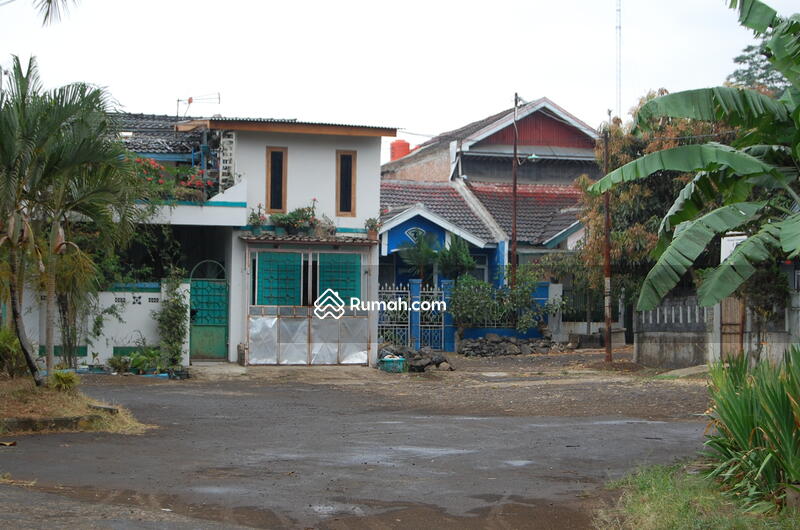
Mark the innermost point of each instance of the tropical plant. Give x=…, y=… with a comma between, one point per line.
x=455, y=260
x=59, y=167
x=149, y=359
x=172, y=319
x=755, y=416
x=748, y=186
x=119, y=364
x=63, y=381
x=12, y=363
x=636, y=207
x=421, y=255
x=373, y=223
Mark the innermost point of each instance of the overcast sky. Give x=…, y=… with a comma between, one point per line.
x=422, y=66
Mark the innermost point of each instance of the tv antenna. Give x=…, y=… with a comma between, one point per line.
x=619, y=59
x=206, y=98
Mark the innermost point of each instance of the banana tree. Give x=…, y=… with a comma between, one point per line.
x=750, y=186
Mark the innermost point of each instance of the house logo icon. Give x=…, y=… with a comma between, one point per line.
x=329, y=304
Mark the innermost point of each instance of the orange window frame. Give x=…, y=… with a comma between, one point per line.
x=353, y=172
x=284, y=171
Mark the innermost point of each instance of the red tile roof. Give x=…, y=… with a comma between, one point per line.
x=442, y=198
x=543, y=210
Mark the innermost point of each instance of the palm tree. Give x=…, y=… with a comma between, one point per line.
x=421, y=255
x=51, y=10
x=59, y=164
x=750, y=186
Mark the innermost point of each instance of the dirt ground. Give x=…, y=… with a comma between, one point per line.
x=511, y=442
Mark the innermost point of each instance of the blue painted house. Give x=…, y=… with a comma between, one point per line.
x=410, y=209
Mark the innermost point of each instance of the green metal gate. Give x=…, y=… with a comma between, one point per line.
x=208, y=335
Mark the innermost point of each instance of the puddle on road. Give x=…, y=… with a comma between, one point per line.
x=219, y=490
x=432, y=451
x=518, y=463
x=596, y=422
x=337, y=509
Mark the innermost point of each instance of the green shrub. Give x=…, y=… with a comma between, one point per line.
x=756, y=415
x=172, y=319
x=120, y=364
x=147, y=359
x=64, y=381
x=12, y=361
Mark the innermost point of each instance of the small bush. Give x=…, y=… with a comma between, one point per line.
x=120, y=364
x=755, y=415
x=12, y=361
x=64, y=381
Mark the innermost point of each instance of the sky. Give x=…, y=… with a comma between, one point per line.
x=424, y=67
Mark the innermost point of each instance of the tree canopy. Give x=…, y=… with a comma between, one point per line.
x=749, y=186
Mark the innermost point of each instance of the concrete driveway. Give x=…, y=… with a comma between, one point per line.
x=311, y=456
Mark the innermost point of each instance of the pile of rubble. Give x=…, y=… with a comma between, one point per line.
x=493, y=345
x=422, y=360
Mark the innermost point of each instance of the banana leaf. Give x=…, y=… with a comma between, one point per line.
x=737, y=107
x=691, y=238
x=754, y=14
x=685, y=158
x=790, y=235
x=785, y=48
x=695, y=196
x=739, y=266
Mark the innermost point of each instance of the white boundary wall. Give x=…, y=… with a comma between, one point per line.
x=136, y=312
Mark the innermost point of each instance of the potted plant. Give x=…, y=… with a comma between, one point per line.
x=323, y=227
x=298, y=221
x=372, y=225
x=96, y=367
x=280, y=221
x=178, y=372
x=256, y=219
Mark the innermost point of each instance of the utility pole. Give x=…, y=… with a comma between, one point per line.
x=514, y=165
x=607, y=250
x=619, y=58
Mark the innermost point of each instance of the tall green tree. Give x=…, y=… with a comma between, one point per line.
x=750, y=186
x=455, y=260
x=756, y=71
x=59, y=165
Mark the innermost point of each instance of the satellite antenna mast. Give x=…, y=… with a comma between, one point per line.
x=619, y=59
x=206, y=98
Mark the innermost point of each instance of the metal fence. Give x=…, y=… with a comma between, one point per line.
x=394, y=324
x=397, y=322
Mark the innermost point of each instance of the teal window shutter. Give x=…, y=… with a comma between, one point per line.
x=279, y=279
x=342, y=273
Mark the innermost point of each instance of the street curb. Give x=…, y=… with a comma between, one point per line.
x=66, y=423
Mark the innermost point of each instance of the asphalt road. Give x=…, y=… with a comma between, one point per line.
x=294, y=455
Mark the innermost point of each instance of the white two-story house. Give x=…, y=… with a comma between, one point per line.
x=268, y=279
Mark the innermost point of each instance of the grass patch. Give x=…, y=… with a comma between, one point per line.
x=662, y=497
x=20, y=398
